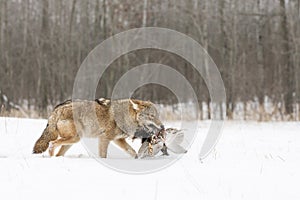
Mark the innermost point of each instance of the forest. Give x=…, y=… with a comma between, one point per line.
x=255, y=45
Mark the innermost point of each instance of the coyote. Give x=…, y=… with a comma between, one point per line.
x=115, y=121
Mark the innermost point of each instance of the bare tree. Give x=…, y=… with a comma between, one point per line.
x=255, y=44
x=286, y=64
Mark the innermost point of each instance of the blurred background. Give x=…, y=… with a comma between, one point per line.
x=255, y=44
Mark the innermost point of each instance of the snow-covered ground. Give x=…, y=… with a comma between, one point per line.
x=251, y=161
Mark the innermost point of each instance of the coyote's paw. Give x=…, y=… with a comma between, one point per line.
x=133, y=154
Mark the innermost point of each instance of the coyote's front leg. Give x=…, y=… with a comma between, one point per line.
x=126, y=147
x=103, y=146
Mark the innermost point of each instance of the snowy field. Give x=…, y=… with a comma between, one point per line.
x=251, y=161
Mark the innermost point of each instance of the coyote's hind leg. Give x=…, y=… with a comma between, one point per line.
x=62, y=141
x=63, y=149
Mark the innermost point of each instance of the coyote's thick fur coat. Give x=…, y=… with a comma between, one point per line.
x=114, y=121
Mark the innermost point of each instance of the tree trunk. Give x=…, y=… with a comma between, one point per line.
x=260, y=62
x=45, y=47
x=144, y=23
x=288, y=69
x=225, y=58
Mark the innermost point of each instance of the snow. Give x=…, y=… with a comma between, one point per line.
x=251, y=161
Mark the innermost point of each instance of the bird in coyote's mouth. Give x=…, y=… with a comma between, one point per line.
x=162, y=140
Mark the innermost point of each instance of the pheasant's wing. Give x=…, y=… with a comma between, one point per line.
x=173, y=141
x=157, y=148
x=175, y=148
x=144, y=151
x=176, y=137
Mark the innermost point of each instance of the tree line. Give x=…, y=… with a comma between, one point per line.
x=255, y=44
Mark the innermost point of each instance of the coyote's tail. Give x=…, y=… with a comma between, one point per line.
x=42, y=144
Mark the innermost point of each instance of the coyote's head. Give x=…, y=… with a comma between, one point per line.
x=147, y=115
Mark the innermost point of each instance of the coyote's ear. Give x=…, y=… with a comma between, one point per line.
x=134, y=105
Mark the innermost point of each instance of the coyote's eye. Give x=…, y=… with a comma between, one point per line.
x=152, y=116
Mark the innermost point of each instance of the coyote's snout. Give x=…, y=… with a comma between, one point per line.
x=148, y=117
x=115, y=121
